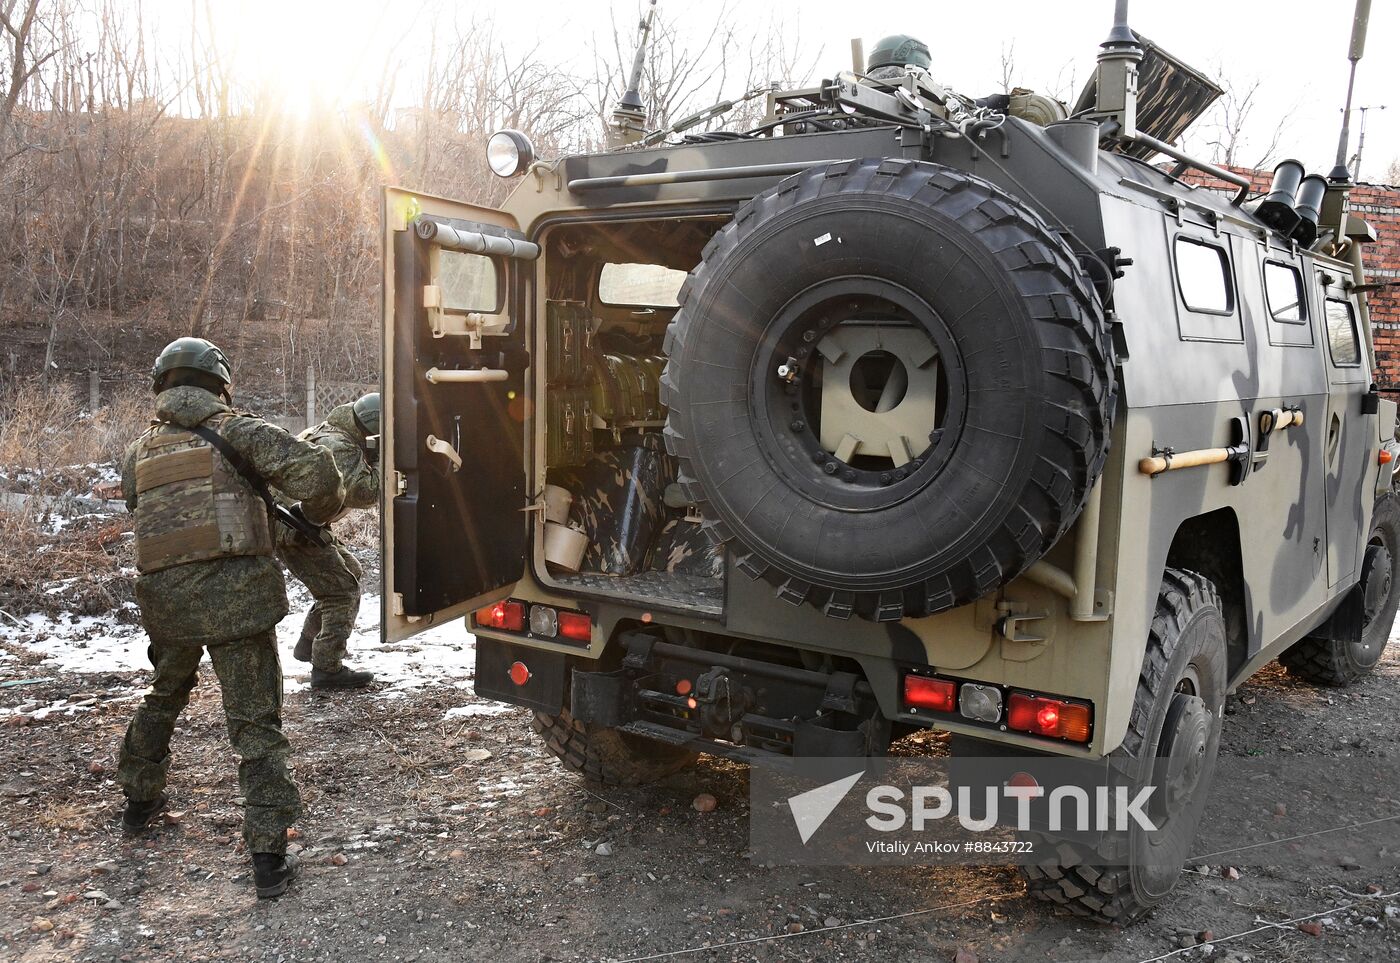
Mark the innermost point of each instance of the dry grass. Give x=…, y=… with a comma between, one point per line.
x=50, y=446
x=46, y=428
x=83, y=562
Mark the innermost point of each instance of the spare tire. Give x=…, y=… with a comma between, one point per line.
x=835, y=319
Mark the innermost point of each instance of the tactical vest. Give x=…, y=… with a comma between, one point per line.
x=191, y=505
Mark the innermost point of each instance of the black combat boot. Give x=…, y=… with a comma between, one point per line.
x=273, y=872
x=342, y=678
x=139, y=813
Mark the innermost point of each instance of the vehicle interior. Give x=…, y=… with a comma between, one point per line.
x=624, y=529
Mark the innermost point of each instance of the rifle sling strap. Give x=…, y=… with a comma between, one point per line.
x=237, y=462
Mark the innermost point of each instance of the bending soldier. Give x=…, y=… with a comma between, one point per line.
x=208, y=580
x=329, y=572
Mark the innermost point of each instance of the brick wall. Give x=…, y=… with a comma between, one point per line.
x=1379, y=205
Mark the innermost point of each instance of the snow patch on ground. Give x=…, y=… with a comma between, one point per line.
x=441, y=656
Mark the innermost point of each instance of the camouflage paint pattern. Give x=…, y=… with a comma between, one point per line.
x=250, y=680
x=226, y=599
x=618, y=503
x=332, y=575
x=682, y=547
x=1291, y=531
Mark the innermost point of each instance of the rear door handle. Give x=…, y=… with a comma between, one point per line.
x=465, y=375
x=438, y=446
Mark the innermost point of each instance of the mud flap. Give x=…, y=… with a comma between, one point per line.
x=543, y=689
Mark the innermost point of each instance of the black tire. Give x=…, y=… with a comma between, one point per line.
x=1129, y=873
x=1340, y=662
x=606, y=756
x=1023, y=349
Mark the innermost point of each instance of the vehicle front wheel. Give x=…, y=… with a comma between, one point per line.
x=604, y=755
x=1171, y=743
x=1340, y=662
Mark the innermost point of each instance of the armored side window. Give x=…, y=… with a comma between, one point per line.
x=1341, y=334
x=642, y=285
x=1203, y=275
x=469, y=282
x=1283, y=286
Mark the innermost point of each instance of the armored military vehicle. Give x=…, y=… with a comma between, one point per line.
x=900, y=409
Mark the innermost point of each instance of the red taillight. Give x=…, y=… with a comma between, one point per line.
x=506, y=615
x=576, y=626
x=519, y=673
x=923, y=692
x=1042, y=716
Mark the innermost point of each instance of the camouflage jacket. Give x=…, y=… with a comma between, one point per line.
x=342, y=435
x=225, y=599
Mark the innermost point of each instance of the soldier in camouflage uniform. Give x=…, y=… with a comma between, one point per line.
x=329, y=571
x=208, y=580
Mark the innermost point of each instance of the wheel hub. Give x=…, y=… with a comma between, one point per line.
x=853, y=385
x=1376, y=574
x=1182, y=752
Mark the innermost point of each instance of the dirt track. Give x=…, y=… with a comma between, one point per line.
x=417, y=848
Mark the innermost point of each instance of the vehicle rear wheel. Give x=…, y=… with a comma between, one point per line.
x=1340, y=662
x=604, y=755
x=890, y=388
x=1173, y=734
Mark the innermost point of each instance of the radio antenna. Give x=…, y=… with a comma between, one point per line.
x=630, y=115
x=1340, y=174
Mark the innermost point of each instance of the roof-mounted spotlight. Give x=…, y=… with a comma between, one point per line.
x=509, y=153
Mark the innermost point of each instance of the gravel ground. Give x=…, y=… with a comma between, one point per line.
x=436, y=827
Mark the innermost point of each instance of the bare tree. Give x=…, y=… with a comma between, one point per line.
x=26, y=54
x=1229, y=131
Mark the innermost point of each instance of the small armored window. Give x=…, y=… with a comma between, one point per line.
x=642, y=285
x=1283, y=286
x=1203, y=273
x=1341, y=333
x=469, y=282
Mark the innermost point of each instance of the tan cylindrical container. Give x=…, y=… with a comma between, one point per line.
x=557, y=502
x=564, y=546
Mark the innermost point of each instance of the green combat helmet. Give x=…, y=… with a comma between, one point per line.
x=192, y=354
x=366, y=411
x=898, y=51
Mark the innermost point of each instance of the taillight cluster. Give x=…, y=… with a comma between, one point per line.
x=1039, y=715
x=538, y=621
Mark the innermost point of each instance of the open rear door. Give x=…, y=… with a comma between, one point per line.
x=454, y=533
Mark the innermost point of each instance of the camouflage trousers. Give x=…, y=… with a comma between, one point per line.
x=250, y=679
x=332, y=576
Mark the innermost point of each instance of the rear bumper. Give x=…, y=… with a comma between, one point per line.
x=711, y=702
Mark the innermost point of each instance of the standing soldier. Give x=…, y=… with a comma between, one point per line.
x=327, y=568
x=197, y=484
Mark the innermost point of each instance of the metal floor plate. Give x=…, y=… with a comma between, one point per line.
x=687, y=594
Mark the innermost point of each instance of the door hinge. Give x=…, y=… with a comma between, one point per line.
x=400, y=484
x=396, y=603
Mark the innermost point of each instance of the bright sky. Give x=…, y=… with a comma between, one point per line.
x=1296, y=50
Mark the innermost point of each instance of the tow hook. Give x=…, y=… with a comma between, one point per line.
x=720, y=702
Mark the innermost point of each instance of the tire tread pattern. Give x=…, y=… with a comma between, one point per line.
x=606, y=756
x=1078, y=356
x=1104, y=892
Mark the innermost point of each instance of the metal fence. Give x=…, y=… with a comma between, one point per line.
x=322, y=396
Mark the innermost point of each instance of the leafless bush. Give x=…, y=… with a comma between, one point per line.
x=75, y=567
x=45, y=428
